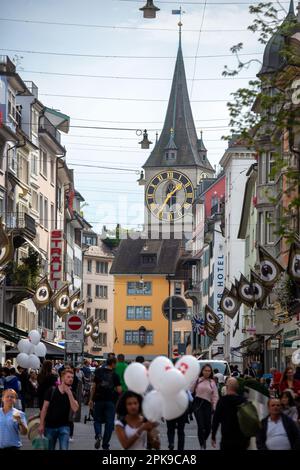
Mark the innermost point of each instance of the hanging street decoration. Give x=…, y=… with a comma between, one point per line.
x=246, y=291
x=198, y=325
x=88, y=329
x=212, y=322
x=229, y=303
x=61, y=301
x=260, y=292
x=43, y=293
x=75, y=301
x=270, y=269
x=293, y=268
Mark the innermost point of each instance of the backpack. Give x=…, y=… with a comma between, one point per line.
x=248, y=419
x=105, y=382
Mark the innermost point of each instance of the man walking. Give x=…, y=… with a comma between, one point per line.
x=120, y=370
x=226, y=412
x=59, y=403
x=278, y=431
x=104, y=394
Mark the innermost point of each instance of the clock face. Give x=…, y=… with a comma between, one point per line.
x=169, y=195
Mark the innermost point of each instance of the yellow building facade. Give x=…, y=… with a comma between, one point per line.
x=145, y=274
x=143, y=308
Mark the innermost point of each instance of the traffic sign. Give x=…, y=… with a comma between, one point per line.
x=60, y=326
x=179, y=308
x=74, y=347
x=74, y=323
x=75, y=327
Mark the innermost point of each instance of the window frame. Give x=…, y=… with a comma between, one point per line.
x=139, y=290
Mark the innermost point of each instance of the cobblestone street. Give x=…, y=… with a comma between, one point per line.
x=84, y=436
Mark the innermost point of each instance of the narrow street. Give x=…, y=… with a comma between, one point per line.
x=84, y=436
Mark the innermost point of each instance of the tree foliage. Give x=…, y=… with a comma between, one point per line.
x=262, y=113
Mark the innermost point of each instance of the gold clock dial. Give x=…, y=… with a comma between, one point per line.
x=169, y=195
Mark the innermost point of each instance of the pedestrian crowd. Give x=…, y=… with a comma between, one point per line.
x=217, y=403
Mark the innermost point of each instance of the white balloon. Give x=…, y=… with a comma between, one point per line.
x=157, y=369
x=25, y=346
x=136, y=377
x=23, y=360
x=40, y=350
x=153, y=406
x=190, y=368
x=34, y=337
x=34, y=362
x=296, y=357
x=171, y=382
x=176, y=406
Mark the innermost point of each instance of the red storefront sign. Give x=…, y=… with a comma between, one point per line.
x=56, y=258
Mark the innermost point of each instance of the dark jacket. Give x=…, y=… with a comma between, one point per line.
x=290, y=427
x=226, y=415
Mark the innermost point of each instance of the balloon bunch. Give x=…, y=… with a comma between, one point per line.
x=169, y=398
x=296, y=357
x=31, y=349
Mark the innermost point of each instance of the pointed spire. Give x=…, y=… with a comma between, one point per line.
x=180, y=26
x=291, y=8
x=171, y=144
x=179, y=117
x=201, y=146
x=291, y=13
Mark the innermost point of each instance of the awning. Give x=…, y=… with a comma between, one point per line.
x=11, y=333
x=59, y=120
x=35, y=248
x=53, y=350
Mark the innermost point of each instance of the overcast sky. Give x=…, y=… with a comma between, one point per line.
x=112, y=195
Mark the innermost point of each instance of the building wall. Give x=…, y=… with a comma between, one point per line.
x=93, y=255
x=186, y=223
x=235, y=166
x=158, y=324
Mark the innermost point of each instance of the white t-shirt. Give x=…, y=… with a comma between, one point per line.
x=276, y=436
x=140, y=443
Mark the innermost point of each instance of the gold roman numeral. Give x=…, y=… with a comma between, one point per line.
x=170, y=174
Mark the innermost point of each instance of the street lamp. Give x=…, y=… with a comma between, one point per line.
x=149, y=9
x=145, y=143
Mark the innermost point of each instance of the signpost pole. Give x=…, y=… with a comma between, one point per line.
x=170, y=324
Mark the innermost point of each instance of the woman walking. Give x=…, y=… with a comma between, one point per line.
x=206, y=398
x=131, y=428
x=12, y=422
x=288, y=382
x=288, y=406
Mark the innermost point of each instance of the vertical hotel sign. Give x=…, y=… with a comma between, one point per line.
x=219, y=273
x=56, y=258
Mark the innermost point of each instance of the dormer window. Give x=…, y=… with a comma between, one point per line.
x=148, y=260
x=171, y=155
x=171, y=149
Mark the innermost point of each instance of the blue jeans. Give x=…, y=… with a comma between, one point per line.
x=62, y=434
x=104, y=412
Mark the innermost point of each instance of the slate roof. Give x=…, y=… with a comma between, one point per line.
x=128, y=259
x=273, y=59
x=179, y=122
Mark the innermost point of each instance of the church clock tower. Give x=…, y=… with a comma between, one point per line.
x=175, y=166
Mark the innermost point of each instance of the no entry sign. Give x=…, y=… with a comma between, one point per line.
x=74, y=327
x=74, y=323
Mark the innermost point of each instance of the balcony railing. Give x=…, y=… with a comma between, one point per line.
x=46, y=125
x=15, y=220
x=6, y=65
